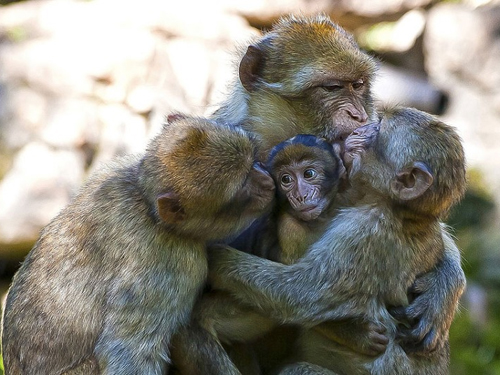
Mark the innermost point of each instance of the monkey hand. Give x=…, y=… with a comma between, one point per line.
x=426, y=321
x=361, y=336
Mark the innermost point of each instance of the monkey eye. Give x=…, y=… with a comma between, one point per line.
x=358, y=84
x=286, y=179
x=310, y=173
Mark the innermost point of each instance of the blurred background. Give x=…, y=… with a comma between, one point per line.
x=84, y=81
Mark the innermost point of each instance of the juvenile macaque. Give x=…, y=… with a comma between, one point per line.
x=117, y=272
x=307, y=75
x=406, y=171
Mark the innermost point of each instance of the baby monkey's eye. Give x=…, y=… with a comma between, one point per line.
x=286, y=179
x=310, y=173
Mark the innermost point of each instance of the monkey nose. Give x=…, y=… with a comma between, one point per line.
x=359, y=116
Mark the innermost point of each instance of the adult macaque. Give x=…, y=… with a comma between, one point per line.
x=308, y=76
x=305, y=76
x=117, y=272
x=406, y=171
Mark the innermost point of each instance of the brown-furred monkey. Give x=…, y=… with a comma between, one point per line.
x=308, y=76
x=307, y=172
x=118, y=271
x=406, y=171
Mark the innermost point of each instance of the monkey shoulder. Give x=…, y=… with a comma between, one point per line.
x=370, y=218
x=356, y=234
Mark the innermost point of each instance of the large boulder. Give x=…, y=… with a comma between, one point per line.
x=84, y=81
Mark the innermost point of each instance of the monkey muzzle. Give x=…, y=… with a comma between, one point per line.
x=307, y=206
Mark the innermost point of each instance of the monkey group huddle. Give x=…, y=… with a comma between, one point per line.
x=296, y=212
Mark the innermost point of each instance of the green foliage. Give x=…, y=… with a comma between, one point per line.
x=17, y=34
x=475, y=344
x=475, y=349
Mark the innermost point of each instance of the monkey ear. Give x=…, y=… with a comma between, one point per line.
x=176, y=116
x=250, y=67
x=412, y=182
x=169, y=208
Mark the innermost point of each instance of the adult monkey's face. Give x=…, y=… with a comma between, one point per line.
x=307, y=75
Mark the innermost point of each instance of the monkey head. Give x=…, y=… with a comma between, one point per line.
x=311, y=70
x=410, y=156
x=307, y=171
x=205, y=180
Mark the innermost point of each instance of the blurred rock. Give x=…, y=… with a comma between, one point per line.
x=82, y=82
x=462, y=48
x=350, y=13
x=397, y=86
x=40, y=183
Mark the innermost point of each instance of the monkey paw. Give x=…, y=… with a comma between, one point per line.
x=426, y=321
x=374, y=342
x=363, y=337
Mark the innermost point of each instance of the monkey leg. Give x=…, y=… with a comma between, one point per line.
x=195, y=351
x=304, y=368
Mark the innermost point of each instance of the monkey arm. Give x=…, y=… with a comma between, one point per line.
x=302, y=293
x=438, y=292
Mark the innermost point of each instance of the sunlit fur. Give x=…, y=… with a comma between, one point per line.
x=300, y=56
x=109, y=282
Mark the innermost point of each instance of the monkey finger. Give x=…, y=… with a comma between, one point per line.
x=417, y=309
x=378, y=328
x=374, y=350
x=420, y=340
x=423, y=347
x=415, y=333
x=379, y=339
x=422, y=283
x=432, y=341
x=399, y=313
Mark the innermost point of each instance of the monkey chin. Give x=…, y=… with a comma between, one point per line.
x=310, y=213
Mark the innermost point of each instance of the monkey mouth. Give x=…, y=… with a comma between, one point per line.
x=310, y=212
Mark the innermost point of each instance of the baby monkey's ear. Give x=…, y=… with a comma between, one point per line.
x=412, y=182
x=169, y=208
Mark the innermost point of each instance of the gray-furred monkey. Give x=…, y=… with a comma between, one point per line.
x=406, y=172
x=307, y=171
x=308, y=76
x=117, y=272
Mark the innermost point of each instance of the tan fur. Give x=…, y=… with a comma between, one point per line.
x=280, y=92
x=118, y=271
x=369, y=256
x=299, y=56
